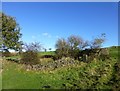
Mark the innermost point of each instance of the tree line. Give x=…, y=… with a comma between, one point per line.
x=74, y=44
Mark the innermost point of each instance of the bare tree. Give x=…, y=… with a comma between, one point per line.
x=34, y=46
x=98, y=41
x=75, y=44
x=62, y=47
x=74, y=41
x=70, y=47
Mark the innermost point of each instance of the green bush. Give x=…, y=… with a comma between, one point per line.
x=30, y=57
x=93, y=75
x=115, y=81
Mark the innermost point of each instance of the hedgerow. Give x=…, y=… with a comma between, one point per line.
x=94, y=75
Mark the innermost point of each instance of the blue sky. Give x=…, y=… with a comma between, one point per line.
x=46, y=22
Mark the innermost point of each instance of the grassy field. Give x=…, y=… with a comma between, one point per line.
x=40, y=54
x=83, y=75
x=47, y=53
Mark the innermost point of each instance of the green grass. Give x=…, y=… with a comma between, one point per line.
x=83, y=75
x=47, y=53
x=114, y=51
x=15, y=77
x=40, y=54
x=13, y=57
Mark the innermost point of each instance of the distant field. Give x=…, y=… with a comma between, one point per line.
x=40, y=54
x=47, y=53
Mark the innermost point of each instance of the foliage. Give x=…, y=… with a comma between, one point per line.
x=31, y=55
x=74, y=41
x=10, y=33
x=88, y=55
x=9, y=54
x=75, y=44
x=62, y=48
x=115, y=81
x=70, y=47
x=6, y=54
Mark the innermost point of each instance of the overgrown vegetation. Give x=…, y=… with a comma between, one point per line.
x=30, y=56
x=75, y=47
x=97, y=74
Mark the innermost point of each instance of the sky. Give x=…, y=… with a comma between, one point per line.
x=45, y=22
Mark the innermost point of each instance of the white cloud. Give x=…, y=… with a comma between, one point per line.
x=47, y=35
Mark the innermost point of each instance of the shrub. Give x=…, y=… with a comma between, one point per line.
x=31, y=54
x=6, y=54
x=30, y=57
x=115, y=81
x=93, y=75
x=62, y=48
x=104, y=54
x=13, y=59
